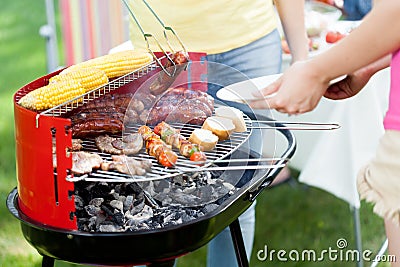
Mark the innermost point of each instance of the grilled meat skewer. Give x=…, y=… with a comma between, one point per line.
x=158, y=148
x=172, y=137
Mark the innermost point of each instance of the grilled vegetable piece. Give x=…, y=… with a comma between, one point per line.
x=204, y=138
x=172, y=137
x=90, y=78
x=158, y=148
x=52, y=95
x=116, y=64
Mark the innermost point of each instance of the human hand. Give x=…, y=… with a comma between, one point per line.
x=350, y=85
x=297, y=91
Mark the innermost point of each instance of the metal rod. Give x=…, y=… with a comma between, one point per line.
x=134, y=17
x=237, y=160
x=166, y=28
x=178, y=171
x=238, y=243
x=147, y=36
x=302, y=125
x=232, y=168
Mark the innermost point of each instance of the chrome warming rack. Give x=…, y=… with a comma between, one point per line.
x=130, y=77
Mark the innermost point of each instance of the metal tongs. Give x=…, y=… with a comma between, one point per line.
x=148, y=36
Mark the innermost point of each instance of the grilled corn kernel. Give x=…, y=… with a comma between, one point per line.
x=90, y=78
x=116, y=64
x=52, y=95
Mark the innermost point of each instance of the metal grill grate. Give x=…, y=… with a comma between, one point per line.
x=158, y=172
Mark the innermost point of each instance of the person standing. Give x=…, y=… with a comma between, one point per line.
x=304, y=83
x=242, y=41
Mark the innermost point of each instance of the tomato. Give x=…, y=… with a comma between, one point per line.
x=333, y=36
x=198, y=156
x=157, y=129
x=167, y=159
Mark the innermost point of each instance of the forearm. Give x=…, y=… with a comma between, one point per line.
x=374, y=39
x=291, y=13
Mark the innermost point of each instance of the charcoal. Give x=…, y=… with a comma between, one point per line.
x=100, y=190
x=118, y=218
x=137, y=208
x=133, y=189
x=119, y=205
x=161, y=185
x=96, y=201
x=205, y=192
x=79, y=203
x=209, y=208
x=109, y=228
x=139, y=199
x=92, y=222
x=107, y=210
x=185, y=217
x=128, y=202
x=121, y=198
x=114, y=195
x=116, y=207
x=191, y=213
x=92, y=210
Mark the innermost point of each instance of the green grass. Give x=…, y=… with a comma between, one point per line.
x=287, y=217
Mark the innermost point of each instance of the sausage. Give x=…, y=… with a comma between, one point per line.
x=97, y=126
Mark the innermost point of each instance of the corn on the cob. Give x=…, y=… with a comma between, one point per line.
x=116, y=64
x=52, y=95
x=90, y=78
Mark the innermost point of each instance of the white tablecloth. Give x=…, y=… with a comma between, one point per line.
x=330, y=160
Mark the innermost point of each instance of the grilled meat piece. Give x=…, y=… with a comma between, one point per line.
x=85, y=162
x=76, y=145
x=180, y=105
x=109, y=113
x=127, y=165
x=163, y=81
x=95, y=126
x=129, y=144
x=104, y=144
x=105, y=115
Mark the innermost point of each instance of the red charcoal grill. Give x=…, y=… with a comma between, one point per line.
x=44, y=199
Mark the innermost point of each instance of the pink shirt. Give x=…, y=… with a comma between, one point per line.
x=392, y=118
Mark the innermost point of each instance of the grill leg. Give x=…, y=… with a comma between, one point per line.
x=47, y=261
x=238, y=244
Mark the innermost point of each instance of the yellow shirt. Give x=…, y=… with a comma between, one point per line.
x=211, y=26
